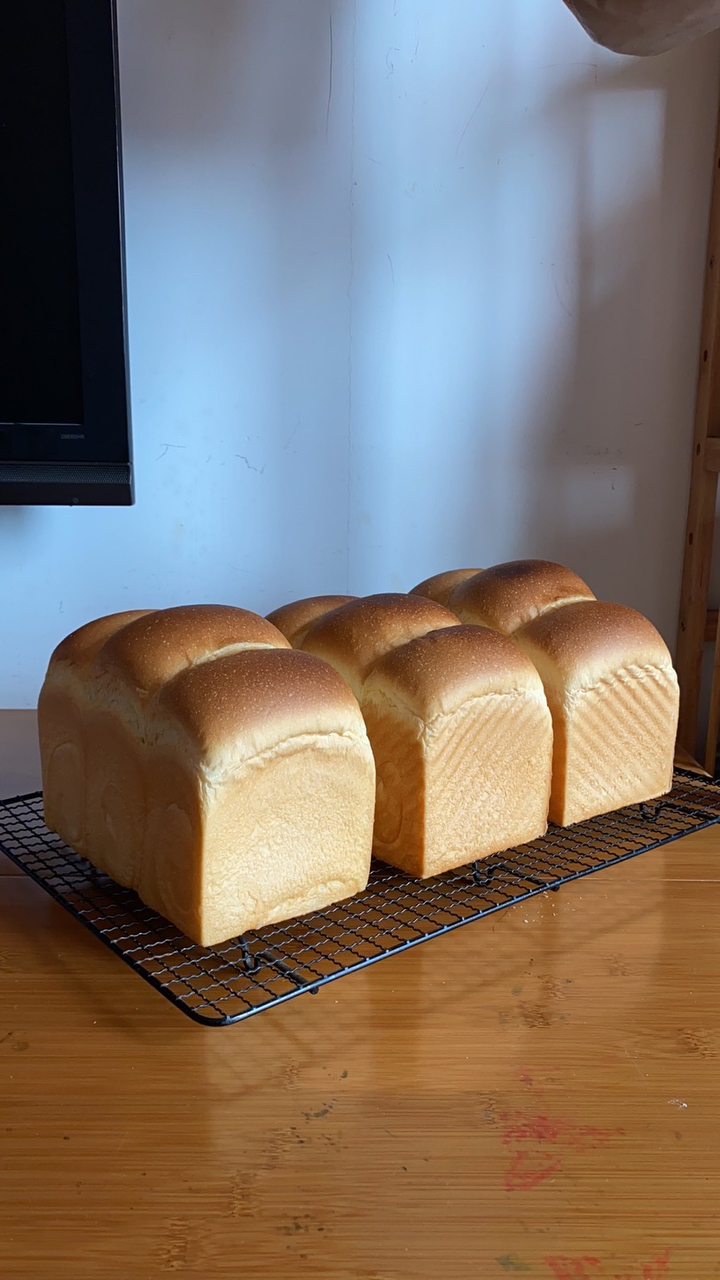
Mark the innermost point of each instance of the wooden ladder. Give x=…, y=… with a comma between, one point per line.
x=697, y=624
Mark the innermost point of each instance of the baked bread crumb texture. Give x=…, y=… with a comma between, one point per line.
x=236, y=770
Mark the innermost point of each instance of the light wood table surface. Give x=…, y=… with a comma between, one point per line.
x=536, y=1094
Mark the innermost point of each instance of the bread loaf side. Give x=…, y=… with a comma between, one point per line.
x=614, y=696
x=462, y=737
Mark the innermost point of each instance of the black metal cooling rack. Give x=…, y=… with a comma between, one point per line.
x=225, y=984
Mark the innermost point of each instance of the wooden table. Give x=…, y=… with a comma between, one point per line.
x=536, y=1094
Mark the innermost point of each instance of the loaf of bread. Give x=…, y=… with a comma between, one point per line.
x=462, y=738
x=192, y=755
x=441, y=585
x=294, y=620
x=507, y=596
x=613, y=695
x=353, y=637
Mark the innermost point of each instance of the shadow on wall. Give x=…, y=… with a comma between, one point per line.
x=210, y=61
x=612, y=457
x=14, y=520
x=545, y=309
x=611, y=453
x=561, y=421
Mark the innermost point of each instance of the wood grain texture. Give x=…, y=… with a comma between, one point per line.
x=700, y=526
x=535, y=1094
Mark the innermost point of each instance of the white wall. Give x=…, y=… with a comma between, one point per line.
x=411, y=285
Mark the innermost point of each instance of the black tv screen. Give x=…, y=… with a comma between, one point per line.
x=64, y=429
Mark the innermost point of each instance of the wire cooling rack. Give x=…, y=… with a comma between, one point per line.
x=222, y=985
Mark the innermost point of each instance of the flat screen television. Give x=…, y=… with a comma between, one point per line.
x=64, y=405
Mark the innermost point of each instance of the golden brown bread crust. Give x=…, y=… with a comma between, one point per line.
x=97, y=675
x=192, y=755
x=354, y=637
x=462, y=737
x=614, y=698
x=191, y=657
x=437, y=672
x=82, y=646
x=507, y=596
x=296, y=618
x=441, y=585
x=590, y=640
x=259, y=697
x=151, y=650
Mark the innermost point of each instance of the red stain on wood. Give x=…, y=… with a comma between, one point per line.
x=519, y=1126
x=653, y=1270
x=530, y=1136
x=526, y=1171
x=575, y=1268
x=587, y=1268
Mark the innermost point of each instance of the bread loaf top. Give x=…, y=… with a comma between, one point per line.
x=353, y=637
x=152, y=649
x=81, y=647
x=296, y=618
x=243, y=704
x=436, y=673
x=219, y=683
x=440, y=586
x=146, y=647
x=509, y=595
x=579, y=645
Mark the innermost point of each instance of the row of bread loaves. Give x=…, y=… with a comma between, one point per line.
x=447, y=793
x=233, y=780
